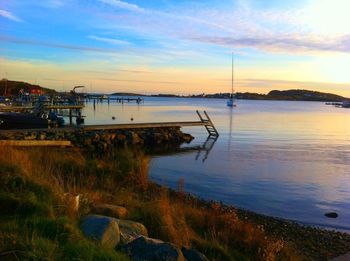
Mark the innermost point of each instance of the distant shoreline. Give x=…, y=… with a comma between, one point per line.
x=288, y=95
x=275, y=95
x=12, y=88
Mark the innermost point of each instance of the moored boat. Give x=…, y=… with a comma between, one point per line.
x=346, y=104
x=14, y=120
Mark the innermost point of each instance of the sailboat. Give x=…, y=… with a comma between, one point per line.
x=231, y=101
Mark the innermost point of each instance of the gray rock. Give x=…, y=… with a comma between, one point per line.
x=101, y=228
x=345, y=257
x=148, y=249
x=31, y=136
x=331, y=215
x=110, y=210
x=130, y=230
x=41, y=136
x=187, y=137
x=193, y=255
x=135, y=138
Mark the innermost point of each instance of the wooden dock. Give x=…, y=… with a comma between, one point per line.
x=49, y=107
x=205, y=121
x=118, y=99
x=36, y=143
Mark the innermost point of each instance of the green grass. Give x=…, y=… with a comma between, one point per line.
x=33, y=225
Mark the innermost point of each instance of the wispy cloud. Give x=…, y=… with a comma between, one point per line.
x=271, y=30
x=9, y=15
x=108, y=40
x=139, y=81
x=282, y=43
x=122, y=5
x=112, y=72
x=15, y=40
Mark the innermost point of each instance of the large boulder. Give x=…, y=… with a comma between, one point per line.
x=101, y=228
x=149, y=249
x=110, y=210
x=331, y=214
x=130, y=230
x=187, y=137
x=193, y=255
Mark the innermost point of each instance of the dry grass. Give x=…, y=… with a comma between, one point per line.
x=122, y=178
x=37, y=220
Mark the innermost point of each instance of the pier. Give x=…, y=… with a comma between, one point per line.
x=204, y=121
x=77, y=109
x=117, y=99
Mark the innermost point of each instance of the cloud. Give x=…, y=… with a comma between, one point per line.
x=108, y=40
x=122, y=5
x=282, y=43
x=112, y=72
x=15, y=40
x=244, y=26
x=10, y=16
x=138, y=81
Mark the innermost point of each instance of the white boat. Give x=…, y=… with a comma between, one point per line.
x=231, y=101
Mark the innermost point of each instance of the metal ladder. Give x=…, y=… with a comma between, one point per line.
x=208, y=124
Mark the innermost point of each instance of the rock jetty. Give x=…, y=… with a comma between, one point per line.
x=104, y=140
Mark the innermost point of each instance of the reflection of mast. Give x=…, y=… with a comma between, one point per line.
x=230, y=130
x=233, y=64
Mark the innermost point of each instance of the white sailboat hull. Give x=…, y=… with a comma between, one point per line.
x=231, y=103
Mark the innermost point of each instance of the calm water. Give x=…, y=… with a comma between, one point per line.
x=279, y=158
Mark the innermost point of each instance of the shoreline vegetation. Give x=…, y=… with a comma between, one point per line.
x=13, y=87
x=38, y=220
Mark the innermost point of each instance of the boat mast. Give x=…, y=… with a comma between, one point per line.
x=232, y=75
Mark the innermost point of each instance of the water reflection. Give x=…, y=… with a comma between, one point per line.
x=285, y=159
x=206, y=147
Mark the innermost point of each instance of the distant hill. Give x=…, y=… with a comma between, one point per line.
x=8, y=87
x=292, y=95
x=304, y=95
x=165, y=95
x=126, y=94
x=288, y=95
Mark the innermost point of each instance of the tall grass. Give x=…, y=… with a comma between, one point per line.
x=36, y=219
x=40, y=183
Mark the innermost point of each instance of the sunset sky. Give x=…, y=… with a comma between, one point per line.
x=182, y=47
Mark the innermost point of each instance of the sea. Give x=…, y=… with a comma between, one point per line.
x=286, y=159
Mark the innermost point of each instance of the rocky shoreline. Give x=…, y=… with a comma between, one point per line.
x=104, y=140
x=311, y=242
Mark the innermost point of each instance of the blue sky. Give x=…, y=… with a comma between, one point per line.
x=177, y=46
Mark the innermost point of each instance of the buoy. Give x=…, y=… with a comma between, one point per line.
x=132, y=119
x=113, y=118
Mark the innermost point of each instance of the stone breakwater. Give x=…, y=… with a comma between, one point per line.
x=103, y=140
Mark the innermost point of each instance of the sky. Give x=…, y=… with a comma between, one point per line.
x=181, y=47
